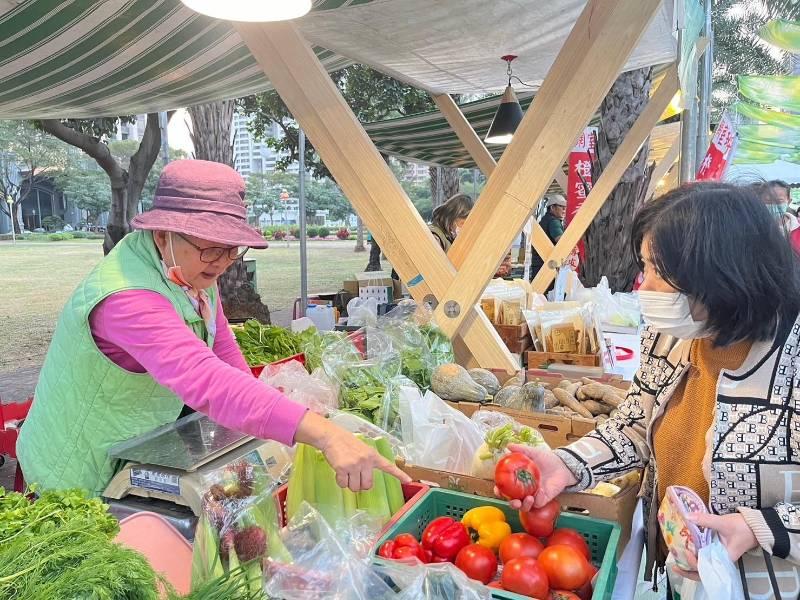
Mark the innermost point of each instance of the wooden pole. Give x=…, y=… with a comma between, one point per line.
x=611, y=175
x=319, y=108
x=595, y=52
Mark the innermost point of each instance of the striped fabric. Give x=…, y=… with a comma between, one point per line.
x=86, y=58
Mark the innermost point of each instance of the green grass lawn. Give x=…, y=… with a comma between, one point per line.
x=36, y=278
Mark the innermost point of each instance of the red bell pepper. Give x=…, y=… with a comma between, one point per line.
x=403, y=546
x=444, y=537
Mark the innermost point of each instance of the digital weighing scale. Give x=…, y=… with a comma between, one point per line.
x=166, y=469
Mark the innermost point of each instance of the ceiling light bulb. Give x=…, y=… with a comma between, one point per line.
x=250, y=10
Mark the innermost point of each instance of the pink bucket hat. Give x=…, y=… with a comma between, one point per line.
x=203, y=199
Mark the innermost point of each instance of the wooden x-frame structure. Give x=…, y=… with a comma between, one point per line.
x=595, y=52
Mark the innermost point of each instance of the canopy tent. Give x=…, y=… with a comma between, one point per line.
x=82, y=58
x=79, y=58
x=428, y=138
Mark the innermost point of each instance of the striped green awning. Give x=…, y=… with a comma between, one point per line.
x=428, y=138
x=89, y=58
x=84, y=58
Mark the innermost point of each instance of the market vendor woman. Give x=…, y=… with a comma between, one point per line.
x=145, y=335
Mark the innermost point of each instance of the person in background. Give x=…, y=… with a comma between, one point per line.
x=449, y=218
x=144, y=337
x=553, y=224
x=711, y=405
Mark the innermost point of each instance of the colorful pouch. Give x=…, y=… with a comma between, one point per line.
x=681, y=536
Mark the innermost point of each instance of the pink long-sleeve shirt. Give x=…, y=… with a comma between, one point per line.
x=140, y=331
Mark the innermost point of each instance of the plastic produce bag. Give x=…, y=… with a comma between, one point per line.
x=431, y=582
x=327, y=563
x=238, y=526
x=363, y=365
x=316, y=391
x=402, y=327
x=719, y=577
x=362, y=312
x=434, y=434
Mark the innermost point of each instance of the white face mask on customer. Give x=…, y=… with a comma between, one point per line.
x=671, y=314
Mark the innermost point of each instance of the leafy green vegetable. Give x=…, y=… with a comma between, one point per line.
x=19, y=517
x=264, y=344
x=439, y=345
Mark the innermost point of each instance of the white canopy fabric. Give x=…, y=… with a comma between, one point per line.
x=454, y=46
x=79, y=58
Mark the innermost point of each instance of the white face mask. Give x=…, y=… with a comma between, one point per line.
x=670, y=314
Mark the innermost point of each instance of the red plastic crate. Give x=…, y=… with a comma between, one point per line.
x=11, y=417
x=256, y=371
x=412, y=492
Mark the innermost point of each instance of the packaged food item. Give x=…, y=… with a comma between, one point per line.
x=680, y=535
x=488, y=306
x=564, y=328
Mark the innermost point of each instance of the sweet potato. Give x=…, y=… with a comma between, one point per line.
x=570, y=401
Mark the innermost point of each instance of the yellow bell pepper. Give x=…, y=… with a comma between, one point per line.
x=487, y=525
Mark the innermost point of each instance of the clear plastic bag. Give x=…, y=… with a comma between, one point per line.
x=362, y=312
x=334, y=564
x=402, y=326
x=238, y=527
x=363, y=365
x=719, y=577
x=316, y=391
x=435, y=435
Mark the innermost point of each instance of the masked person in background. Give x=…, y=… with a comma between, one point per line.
x=714, y=404
x=144, y=336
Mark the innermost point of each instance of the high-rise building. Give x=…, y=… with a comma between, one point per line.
x=253, y=155
x=132, y=131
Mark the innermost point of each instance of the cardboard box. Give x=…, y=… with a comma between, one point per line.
x=619, y=508
x=384, y=294
x=557, y=430
x=537, y=360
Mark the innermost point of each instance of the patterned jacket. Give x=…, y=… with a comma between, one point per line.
x=752, y=460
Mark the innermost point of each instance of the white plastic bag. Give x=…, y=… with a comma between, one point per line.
x=435, y=435
x=316, y=391
x=719, y=577
x=362, y=312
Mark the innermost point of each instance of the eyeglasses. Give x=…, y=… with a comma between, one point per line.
x=214, y=253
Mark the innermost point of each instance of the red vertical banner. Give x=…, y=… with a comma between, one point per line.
x=579, y=181
x=720, y=152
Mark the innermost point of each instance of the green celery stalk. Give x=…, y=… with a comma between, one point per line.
x=374, y=500
x=350, y=502
x=394, y=489
x=295, y=491
x=329, y=499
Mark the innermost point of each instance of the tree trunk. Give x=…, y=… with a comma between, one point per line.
x=374, y=263
x=450, y=185
x=608, y=238
x=360, y=236
x=211, y=137
x=142, y=162
x=211, y=131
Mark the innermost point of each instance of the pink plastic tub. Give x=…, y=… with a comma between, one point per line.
x=164, y=547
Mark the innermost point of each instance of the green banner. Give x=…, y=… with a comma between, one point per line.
x=770, y=135
x=783, y=34
x=765, y=115
x=781, y=91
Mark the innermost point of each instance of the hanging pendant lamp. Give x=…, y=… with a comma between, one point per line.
x=508, y=115
x=250, y=10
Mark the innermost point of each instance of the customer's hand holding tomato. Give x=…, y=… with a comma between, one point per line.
x=553, y=478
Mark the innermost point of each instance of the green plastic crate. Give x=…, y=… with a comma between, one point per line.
x=602, y=536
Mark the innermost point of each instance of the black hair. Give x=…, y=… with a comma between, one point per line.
x=720, y=245
x=781, y=184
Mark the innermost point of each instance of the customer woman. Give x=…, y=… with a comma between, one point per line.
x=714, y=405
x=145, y=335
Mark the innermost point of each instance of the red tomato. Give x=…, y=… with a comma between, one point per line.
x=387, y=550
x=540, y=522
x=525, y=576
x=566, y=568
x=405, y=539
x=562, y=595
x=477, y=562
x=518, y=545
x=570, y=537
x=516, y=476
x=406, y=552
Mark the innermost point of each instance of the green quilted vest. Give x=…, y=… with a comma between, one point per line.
x=84, y=403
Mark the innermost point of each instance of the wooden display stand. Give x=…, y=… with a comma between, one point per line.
x=517, y=338
x=537, y=360
x=592, y=57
